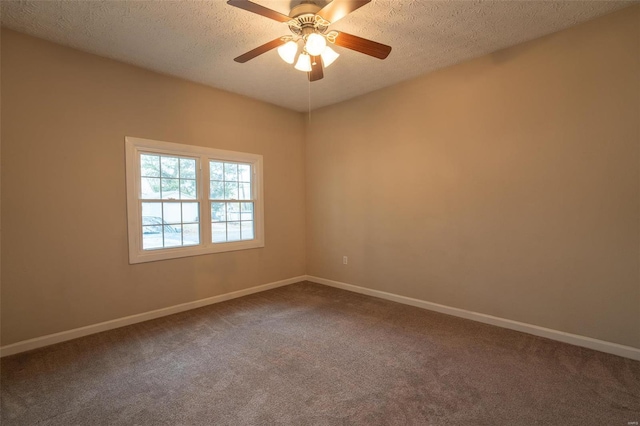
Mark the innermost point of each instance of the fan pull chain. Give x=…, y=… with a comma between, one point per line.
x=309, y=101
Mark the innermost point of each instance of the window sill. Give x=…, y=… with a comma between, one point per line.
x=178, y=252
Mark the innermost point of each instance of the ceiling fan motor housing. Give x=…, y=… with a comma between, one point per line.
x=305, y=21
x=304, y=8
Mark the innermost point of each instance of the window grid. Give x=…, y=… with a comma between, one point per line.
x=231, y=201
x=178, y=228
x=163, y=217
x=160, y=181
x=226, y=214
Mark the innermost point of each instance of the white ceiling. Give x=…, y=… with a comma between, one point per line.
x=197, y=40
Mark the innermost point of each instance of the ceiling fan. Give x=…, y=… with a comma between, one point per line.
x=309, y=23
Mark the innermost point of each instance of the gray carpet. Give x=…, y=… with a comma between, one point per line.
x=309, y=354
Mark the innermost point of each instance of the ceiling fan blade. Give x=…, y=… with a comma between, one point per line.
x=259, y=50
x=260, y=10
x=316, y=72
x=338, y=9
x=362, y=45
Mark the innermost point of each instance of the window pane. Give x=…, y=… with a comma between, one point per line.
x=190, y=212
x=170, y=189
x=217, y=190
x=172, y=235
x=149, y=165
x=154, y=225
x=233, y=211
x=219, y=232
x=191, y=234
x=215, y=171
x=218, y=212
x=151, y=210
x=230, y=172
x=233, y=231
x=187, y=189
x=246, y=229
x=169, y=167
x=171, y=213
x=231, y=190
x=244, y=172
x=151, y=237
x=187, y=168
x=247, y=211
x=244, y=191
x=150, y=188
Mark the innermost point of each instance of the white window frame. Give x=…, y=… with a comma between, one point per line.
x=136, y=146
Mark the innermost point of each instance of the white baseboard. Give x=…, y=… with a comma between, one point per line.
x=38, y=342
x=574, y=339
x=561, y=336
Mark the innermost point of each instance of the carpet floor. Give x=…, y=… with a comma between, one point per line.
x=309, y=354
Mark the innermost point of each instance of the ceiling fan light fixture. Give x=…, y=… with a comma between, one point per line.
x=316, y=43
x=310, y=23
x=304, y=63
x=329, y=56
x=288, y=51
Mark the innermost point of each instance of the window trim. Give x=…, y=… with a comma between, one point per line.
x=135, y=146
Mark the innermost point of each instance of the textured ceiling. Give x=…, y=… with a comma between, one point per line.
x=197, y=40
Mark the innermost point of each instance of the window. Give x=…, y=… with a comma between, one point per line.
x=186, y=200
x=231, y=220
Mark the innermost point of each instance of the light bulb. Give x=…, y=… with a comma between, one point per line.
x=304, y=63
x=328, y=56
x=316, y=44
x=288, y=51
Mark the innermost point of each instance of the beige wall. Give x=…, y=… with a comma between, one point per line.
x=64, y=232
x=507, y=185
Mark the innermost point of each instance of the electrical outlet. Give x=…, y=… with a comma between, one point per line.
x=345, y=260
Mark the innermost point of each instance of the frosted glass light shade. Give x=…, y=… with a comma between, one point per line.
x=304, y=63
x=288, y=51
x=315, y=44
x=329, y=56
